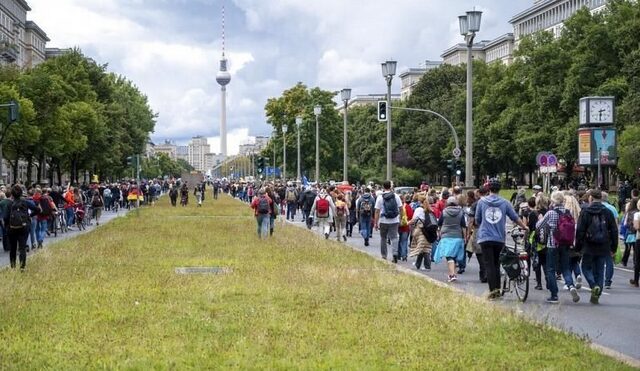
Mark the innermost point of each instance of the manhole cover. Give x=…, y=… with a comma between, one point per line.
x=203, y=270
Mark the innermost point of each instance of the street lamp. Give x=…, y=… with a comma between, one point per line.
x=317, y=110
x=469, y=25
x=388, y=71
x=345, y=94
x=273, y=140
x=298, y=123
x=284, y=153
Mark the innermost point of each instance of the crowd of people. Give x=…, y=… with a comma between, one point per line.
x=570, y=235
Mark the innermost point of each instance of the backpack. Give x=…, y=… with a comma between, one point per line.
x=19, y=217
x=430, y=228
x=263, y=205
x=322, y=207
x=390, y=205
x=96, y=201
x=597, y=230
x=291, y=195
x=509, y=260
x=629, y=222
x=309, y=199
x=365, y=206
x=341, y=208
x=565, y=233
x=45, y=205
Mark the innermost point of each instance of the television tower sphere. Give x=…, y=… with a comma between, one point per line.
x=223, y=77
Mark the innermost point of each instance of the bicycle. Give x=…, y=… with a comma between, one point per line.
x=515, y=267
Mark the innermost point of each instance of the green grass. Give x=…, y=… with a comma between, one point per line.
x=111, y=299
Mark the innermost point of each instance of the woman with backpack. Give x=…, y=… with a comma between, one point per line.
x=404, y=229
x=453, y=227
x=420, y=245
x=340, y=219
x=19, y=225
x=571, y=203
x=262, y=206
x=630, y=235
x=97, y=203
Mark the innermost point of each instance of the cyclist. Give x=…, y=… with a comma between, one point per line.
x=491, y=214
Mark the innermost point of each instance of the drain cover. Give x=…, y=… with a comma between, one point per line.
x=203, y=270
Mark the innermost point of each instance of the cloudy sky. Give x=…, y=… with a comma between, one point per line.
x=171, y=49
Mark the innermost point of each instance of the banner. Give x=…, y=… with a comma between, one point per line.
x=603, y=144
x=584, y=146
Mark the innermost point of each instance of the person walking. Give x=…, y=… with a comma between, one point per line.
x=491, y=217
x=472, y=234
x=420, y=245
x=404, y=230
x=596, y=238
x=609, y=264
x=262, y=206
x=387, y=219
x=365, y=206
x=453, y=226
x=559, y=225
x=19, y=224
x=630, y=236
x=323, y=211
x=636, y=250
x=97, y=203
x=573, y=206
x=308, y=199
x=292, y=201
x=340, y=219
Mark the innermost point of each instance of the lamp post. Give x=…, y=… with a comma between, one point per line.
x=317, y=110
x=345, y=94
x=469, y=25
x=273, y=140
x=298, y=123
x=388, y=71
x=284, y=153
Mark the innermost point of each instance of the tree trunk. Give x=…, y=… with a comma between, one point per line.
x=29, y=168
x=59, y=171
x=15, y=170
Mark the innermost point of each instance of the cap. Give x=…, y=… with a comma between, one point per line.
x=537, y=188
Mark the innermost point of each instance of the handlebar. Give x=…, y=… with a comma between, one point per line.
x=517, y=232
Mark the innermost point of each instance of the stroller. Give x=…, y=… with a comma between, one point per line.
x=80, y=214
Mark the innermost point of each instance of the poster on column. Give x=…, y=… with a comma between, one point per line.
x=603, y=146
x=584, y=146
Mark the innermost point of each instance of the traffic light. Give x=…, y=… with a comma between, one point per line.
x=260, y=165
x=14, y=111
x=130, y=161
x=382, y=110
x=450, y=165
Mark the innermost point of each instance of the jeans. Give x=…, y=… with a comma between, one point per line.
x=553, y=254
x=423, y=258
x=574, y=265
x=403, y=244
x=390, y=231
x=32, y=230
x=263, y=221
x=41, y=230
x=324, y=226
x=70, y=216
x=5, y=240
x=291, y=210
x=491, y=254
x=365, y=226
x=636, y=260
x=18, y=242
x=608, y=279
x=593, y=269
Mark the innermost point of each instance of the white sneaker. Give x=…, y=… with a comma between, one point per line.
x=574, y=294
x=565, y=287
x=579, y=282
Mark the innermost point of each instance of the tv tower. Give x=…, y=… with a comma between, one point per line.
x=223, y=78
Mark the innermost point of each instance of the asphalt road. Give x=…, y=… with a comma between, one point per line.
x=613, y=323
x=107, y=216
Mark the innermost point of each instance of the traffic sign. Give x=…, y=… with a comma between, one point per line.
x=548, y=169
x=456, y=152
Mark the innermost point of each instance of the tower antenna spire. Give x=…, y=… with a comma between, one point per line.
x=223, y=78
x=223, y=34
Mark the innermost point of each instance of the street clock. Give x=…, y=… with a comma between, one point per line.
x=597, y=111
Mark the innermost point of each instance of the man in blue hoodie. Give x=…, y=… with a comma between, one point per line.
x=491, y=216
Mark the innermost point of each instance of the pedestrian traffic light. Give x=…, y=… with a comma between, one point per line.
x=382, y=110
x=14, y=111
x=260, y=165
x=130, y=161
x=450, y=165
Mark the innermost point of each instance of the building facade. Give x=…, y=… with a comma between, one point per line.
x=22, y=42
x=182, y=153
x=457, y=54
x=412, y=76
x=198, y=148
x=169, y=148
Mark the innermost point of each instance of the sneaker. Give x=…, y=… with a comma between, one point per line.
x=552, y=300
x=634, y=283
x=595, y=295
x=460, y=271
x=579, y=282
x=608, y=287
x=565, y=287
x=395, y=259
x=345, y=238
x=452, y=278
x=495, y=295
x=326, y=236
x=366, y=242
x=574, y=294
x=538, y=287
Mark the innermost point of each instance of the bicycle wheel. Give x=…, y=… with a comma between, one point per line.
x=521, y=284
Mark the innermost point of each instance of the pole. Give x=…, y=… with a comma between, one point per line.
x=389, y=127
x=344, y=156
x=274, y=159
x=599, y=168
x=284, y=155
x=139, y=185
x=469, y=124
x=317, y=151
x=298, y=153
x=1, y=159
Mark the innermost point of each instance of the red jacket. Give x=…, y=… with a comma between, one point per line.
x=409, y=211
x=254, y=204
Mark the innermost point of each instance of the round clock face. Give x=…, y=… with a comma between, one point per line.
x=601, y=111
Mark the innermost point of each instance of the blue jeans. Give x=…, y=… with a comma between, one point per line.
x=593, y=269
x=32, y=230
x=291, y=210
x=365, y=226
x=403, y=243
x=41, y=229
x=263, y=221
x=70, y=216
x=565, y=268
x=608, y=277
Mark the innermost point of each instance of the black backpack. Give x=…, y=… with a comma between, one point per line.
x=263, y=205
x=45, y=206
x=430, y=228
x=366, y=205
x=629, y=222
x=597, y=232
x=390, y=205
x=19, y=217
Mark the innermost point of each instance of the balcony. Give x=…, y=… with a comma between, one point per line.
x=8, y=51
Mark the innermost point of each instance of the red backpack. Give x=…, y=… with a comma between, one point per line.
x=565, y=233
x=322, y=207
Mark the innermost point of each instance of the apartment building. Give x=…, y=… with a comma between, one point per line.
x=22, y=42
x=412, y=76
x=198, y=148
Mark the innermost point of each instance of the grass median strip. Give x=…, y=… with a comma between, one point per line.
x=111, y=298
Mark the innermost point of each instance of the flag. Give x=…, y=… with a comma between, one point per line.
x=305, y=181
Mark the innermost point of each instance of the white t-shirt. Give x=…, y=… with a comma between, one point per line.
x=636, y=218
x=380, y=206
x=418, y=214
